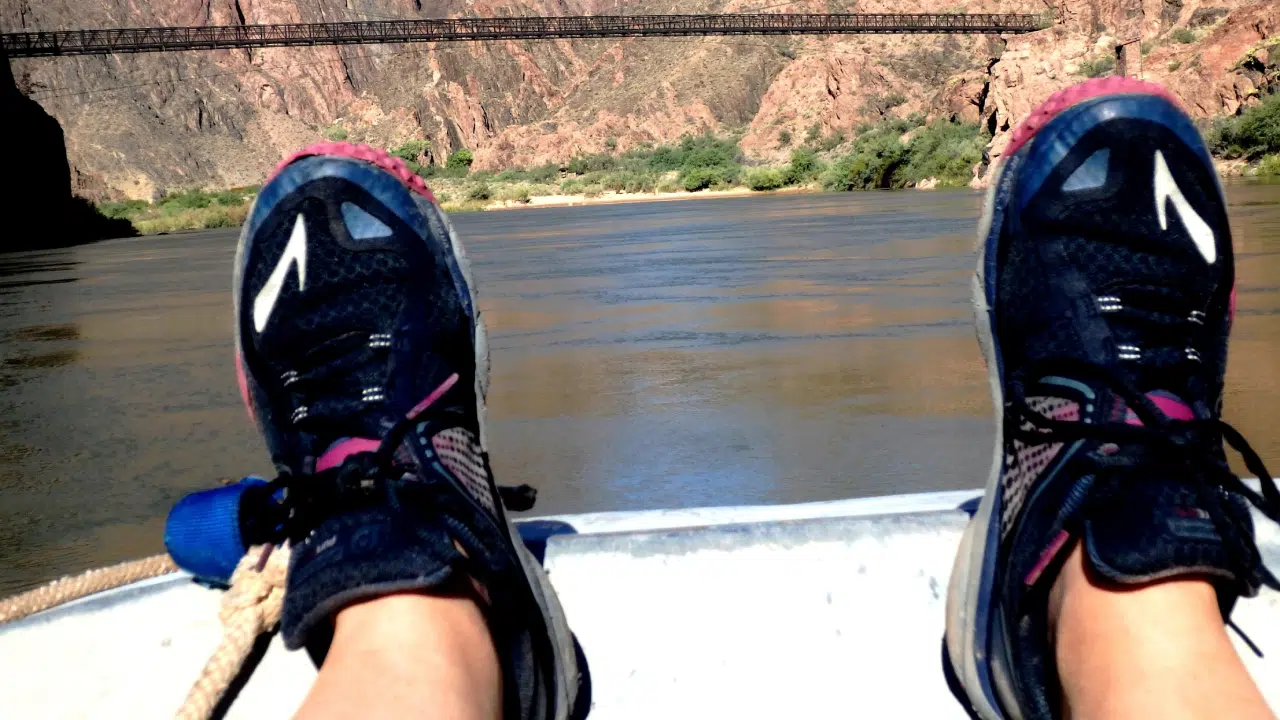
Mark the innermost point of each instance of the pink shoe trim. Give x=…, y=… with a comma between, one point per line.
x=1172, y=407
x=244, y=387
x=1047, y=557
x=434, y=396
x=371, y=155
x=1080, y=92
x=344, y=449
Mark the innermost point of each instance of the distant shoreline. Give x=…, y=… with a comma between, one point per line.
x=619, y=198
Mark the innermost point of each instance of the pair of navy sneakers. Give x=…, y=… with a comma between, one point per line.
x=1103, y=300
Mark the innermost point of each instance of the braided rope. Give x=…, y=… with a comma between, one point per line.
x=250, y=608
x=74, y=587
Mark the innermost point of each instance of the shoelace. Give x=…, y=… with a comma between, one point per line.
x=328, y=380
x=290, y=506
x=1169, y=333
x=1190, y=449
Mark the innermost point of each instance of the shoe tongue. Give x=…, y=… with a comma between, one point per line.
x=1145, y=525
x=1143, y=529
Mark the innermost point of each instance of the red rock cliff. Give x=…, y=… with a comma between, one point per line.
x=138, y=125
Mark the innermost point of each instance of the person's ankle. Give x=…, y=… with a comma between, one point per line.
x=390, y=651
x=1077, y=586
x=1141, y=650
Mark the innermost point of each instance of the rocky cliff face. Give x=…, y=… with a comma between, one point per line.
x=1215, y=56
x=139, y=125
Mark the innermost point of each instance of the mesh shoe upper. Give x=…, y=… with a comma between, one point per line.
x=1110, y=281
x=361, y=326
x=363, y=361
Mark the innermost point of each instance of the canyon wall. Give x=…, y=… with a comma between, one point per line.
x=137, y=126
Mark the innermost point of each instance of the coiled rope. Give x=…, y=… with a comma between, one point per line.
x=249, y=610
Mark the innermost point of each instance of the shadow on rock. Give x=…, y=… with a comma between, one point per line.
x=38, y=208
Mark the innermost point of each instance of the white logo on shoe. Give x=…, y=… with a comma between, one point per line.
x=295, y=253
x=1199, y=230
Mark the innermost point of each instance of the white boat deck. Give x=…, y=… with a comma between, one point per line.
x=813, y=611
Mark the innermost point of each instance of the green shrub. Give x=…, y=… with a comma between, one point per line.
x=592, y=191
x=335, y=133
x=123, y=210
x=667, y=186
x=451, y=172
x=480, y=192
x=1184, y=35
x=1252, y=134
x=519, y=193
x=805, y=166
x=707, y=151
x=642, y=168
x=1098, y=67
x=765, y=179
x=596, y=162
x=1174, y=65
x=1146, y=47
x=832, y=141
x=784, y=138
x=1270, y=165
x=944, y=150
x=813, y=133
x=701, y=178
x=460, y=160
x=629, y=181
x=871, y=164
x=572, y=187
x=220, y=218
x=412, y=150
x=186, y=200
x=611, y=143
x=234, y=197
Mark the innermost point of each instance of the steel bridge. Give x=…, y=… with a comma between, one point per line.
x=162, y=39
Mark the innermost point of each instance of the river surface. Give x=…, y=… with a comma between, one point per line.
x=731, y=351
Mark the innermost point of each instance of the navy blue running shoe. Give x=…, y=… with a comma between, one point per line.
x=1103, y=300
x=362, y=358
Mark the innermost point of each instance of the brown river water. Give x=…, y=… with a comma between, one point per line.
x=715, y=352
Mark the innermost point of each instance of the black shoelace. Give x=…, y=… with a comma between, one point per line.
x=325, y=392
x=1190, y=449
x=290, y=506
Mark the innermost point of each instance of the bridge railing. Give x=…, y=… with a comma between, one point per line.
x=159, y=39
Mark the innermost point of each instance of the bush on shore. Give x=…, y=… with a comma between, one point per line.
x=1249, y=135
x=699, y=162
x=184, y=210
x=943, y=150
x=805, y=166
x=460, y=160
x=1269, y=166
x=766, y=179
x=412, y=150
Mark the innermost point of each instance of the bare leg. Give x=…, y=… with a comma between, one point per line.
x=406, y=656
x=1155, y=651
